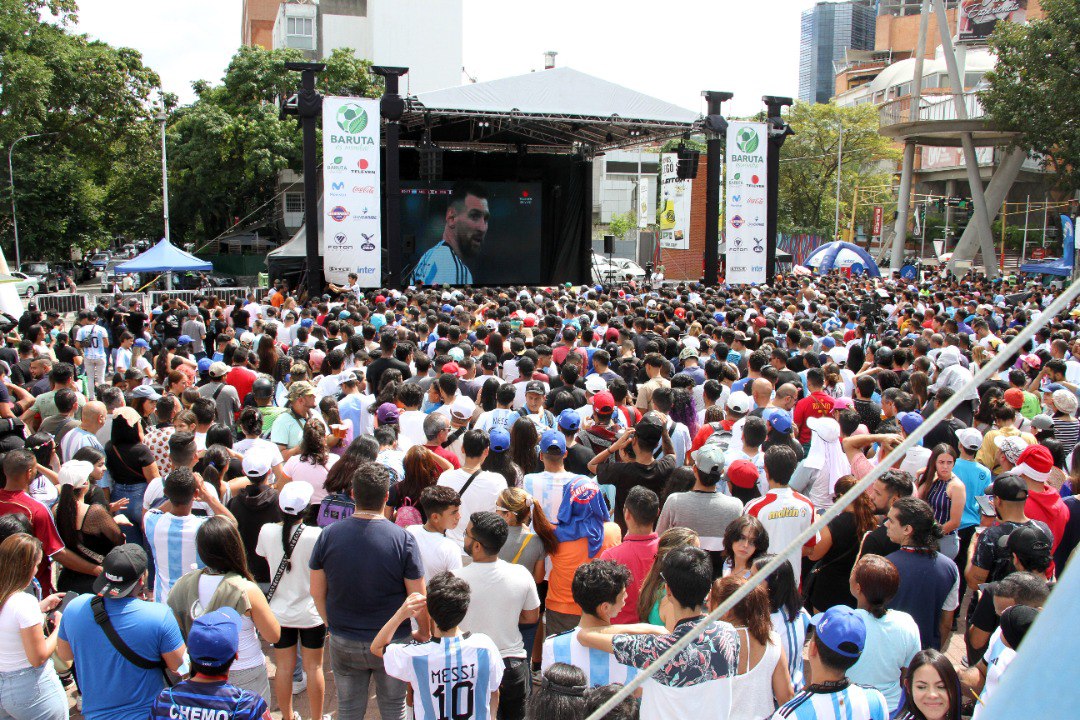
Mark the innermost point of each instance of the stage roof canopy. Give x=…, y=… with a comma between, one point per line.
x=560, y=110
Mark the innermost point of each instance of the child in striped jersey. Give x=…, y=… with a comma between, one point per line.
x=599, y=587
x=456, y=676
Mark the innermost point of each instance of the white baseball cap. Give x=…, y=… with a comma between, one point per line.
x=595, y=383
x=295, y=496
x=462, y=408
x=970, y=438
x=75, y=473
x=739, y=402
x=257, y=463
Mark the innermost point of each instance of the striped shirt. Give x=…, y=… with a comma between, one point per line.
x=217, y=700
x=440, y=265
x=784, y=513
x=451, y=677
x=854, y=702
x=547, y=489
x=792, y=638
x=172, y=541
x=600, y=667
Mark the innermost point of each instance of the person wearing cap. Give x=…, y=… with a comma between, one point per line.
x=688, y=357
x=713, y=654
x=224, y=395
x=631, y=461
x=703, y=509
x=1043, y=503
x=112, y=687
x=533, y=407
x=578, y=456
x=93, y=341
x=288, y=427
x=87, y=528
x=837, y=643
x=478, y=488
x=1004, y=425
x=546, y=486
x=255, y=506
x=1066, y=427
x=291, y=601
x=213, y=645
x=601, y=427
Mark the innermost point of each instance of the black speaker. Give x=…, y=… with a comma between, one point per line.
x=609, y=244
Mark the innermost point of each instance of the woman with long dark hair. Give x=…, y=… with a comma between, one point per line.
x=314, y=461
x=291, y=602
x=268, y=352
x=932, y=688
x=652, y=595
x=131, y=466
x=836, y=549
x=763, y=681
x=88, y=530
x=561, y=695
x=498, y=459
x=789, y=619
x=892, y=633
x=225, y=581
x=946, y=493
x=745, y=540
x=31, y=688
x=422, y=469
x=524, y=446
x=488, y=390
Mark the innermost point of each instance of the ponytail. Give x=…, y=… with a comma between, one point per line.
x=288, y=522
x=543, y=528
x=66, y=513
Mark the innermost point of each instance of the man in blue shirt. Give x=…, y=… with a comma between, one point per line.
x=213, y=644
x=113, y=688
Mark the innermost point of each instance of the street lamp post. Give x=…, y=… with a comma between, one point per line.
x=839, y=172
x=162, y=118
x=11, y=179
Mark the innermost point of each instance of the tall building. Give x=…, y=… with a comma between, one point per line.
x=828, y=30
x=257, y=23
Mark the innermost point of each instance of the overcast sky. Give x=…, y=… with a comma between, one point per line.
x=671, y=49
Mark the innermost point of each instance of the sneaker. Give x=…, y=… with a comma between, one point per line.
x=301, y=686
x=296, y=715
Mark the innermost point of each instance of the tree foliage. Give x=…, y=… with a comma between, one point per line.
x=226, y=149
x=75, y=185
x=1035, y=86
x=808, y=164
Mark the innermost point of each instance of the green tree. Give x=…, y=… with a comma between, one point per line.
x=227, y=149
x=90, y=101
x=622, y=224
x=808, y=163
x=1035, y=86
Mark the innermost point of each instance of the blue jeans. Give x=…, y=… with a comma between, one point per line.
x=354, y=667
x=134, y=510
x=32, y=694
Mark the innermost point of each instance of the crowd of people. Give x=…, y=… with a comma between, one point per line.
x=509, y=502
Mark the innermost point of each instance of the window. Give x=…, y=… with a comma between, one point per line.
x=299, y=26
x=294, y=202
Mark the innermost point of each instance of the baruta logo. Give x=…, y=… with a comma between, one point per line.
x=746, y=140
x=352, y=118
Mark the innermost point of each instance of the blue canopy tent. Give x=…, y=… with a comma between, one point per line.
x=1062, y=266
x=842, y=255
x=164, y=257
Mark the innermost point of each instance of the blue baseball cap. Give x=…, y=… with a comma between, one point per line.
x=214, y=638
x=306, y=323
x=552, y=441
x=447, y=308
x=1053, y=387
x=909, y=421
x=139, y=342
x=570, y=420
x=499, y=440
x=828, y=342
x=840, y=629
x=204, y=365
x=183, y=340
x=779, y=419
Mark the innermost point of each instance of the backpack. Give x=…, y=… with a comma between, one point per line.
x=408, y=514
x=719, y=436
x=333, y=508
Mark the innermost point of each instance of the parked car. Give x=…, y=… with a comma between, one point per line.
x=46, y=275
x=26, y=285
x=99, y=260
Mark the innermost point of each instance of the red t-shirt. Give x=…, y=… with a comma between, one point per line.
x=445, y=455
x=637, y=553
x=816, y=404
x=242, y=379
x=41, y=520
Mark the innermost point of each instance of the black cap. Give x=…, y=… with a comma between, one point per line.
x=124, y=566
x=534, y=386
x=1015, y=622
x=489, y=361
x=1028, y=541
x=1011, y=488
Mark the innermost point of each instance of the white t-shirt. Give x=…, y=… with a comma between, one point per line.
x=998, y=656
x=458, y=676
x=21, y=611
x=411, y=427
x=313, y=475
x=500, y=592
x=479, y=497
x=292, y=603
x=438, y=552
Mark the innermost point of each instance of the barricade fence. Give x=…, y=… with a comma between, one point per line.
x=226, y=294
x=61, y=303
x=1011, y=350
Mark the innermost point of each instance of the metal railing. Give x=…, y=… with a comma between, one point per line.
x=1014, y=347
x=935, y=107
x=62, y=303
x=226, y=294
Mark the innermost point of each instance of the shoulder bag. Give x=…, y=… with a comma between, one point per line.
x=285, y=560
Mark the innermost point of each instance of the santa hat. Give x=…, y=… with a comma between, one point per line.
x=1035, y=463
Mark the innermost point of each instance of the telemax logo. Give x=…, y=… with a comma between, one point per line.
x=736, y=221
x=338, y=213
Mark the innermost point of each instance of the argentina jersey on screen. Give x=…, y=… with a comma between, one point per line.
x=441, y=266
x=452, y=679
x=600, y=667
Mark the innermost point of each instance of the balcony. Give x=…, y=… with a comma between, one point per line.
x=936, y=121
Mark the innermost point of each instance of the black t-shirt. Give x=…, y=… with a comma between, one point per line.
x=381, y=365
x=9, y=355
x=944, y=432
x=877, y=542
x=869, y=414
x=66, y=354
x=251, y=513
x=577, y=459
x=829, y=584
x=126, y=462
x=992, y=555
x=136, y=323
x=170, y=325
x=20, y=373
x=627, y=475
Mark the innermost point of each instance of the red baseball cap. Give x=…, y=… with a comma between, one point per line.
x=452, y=368
x=380, y=298
x=1015, y=398
x=603, y=403
x=743, y=474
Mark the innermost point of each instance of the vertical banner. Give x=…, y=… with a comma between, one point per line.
x=643, y=203
x=352, y=240
x=674, y=205
x=876, y=229
x=746, y=202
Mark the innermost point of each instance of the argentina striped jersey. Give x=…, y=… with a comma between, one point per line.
x=854, y=702
x=440, y=265
x=600, y=667
x=451, y=678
